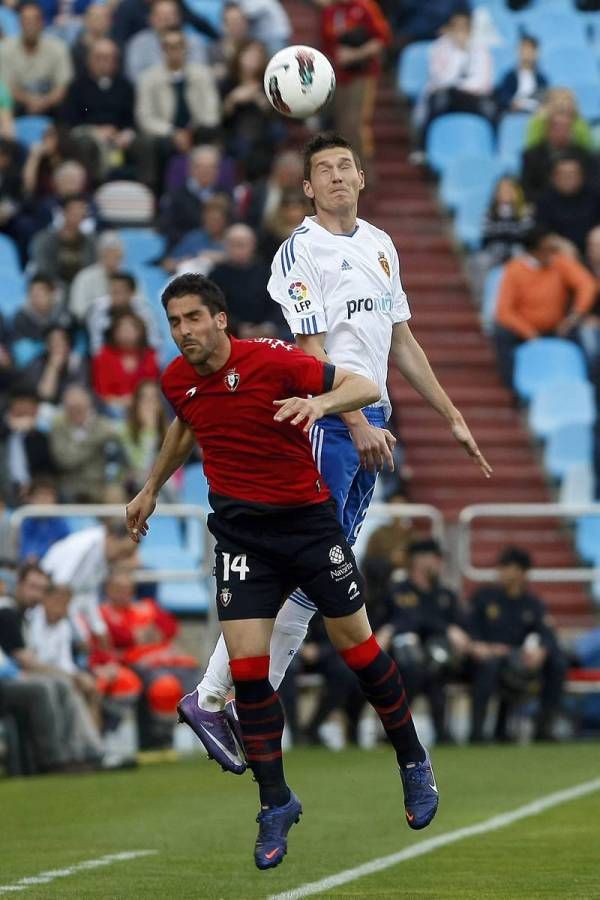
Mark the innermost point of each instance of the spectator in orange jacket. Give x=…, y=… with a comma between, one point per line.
x=542, y=293
x=142, y=635
x=354, y=34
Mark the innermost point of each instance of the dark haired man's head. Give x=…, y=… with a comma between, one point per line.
x=325, y=140
x=540, y=243
x=32, y=23
x=425, y=562
x=122, y=287
x=41, y=297
x=567, y=176
x=513, y=565
x=333, y=178
x=528, y=52
x=32, y=584
x=197, y=314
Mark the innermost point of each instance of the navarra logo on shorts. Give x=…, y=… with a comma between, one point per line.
x=225, y=596
x=232, y=379
x=336, y=555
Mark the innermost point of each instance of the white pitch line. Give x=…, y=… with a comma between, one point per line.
x=84, y=866
x=442, y=840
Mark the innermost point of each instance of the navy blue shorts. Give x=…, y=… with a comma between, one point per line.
x=259, y=559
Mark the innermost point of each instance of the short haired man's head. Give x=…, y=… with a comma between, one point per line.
x=540, y=243
x=56, y=602
x=333, y=178
x=32, y=22
x=568, y=176
x=103, y=59
x=197, y=314
x=174, y=47
x=41, y=296
x=77, y=405
x=528, y=51
x=513, y=566
x=164, y=14
x=425, y=560
x=110, y=251
x=240, y=244
x=122, y=288
x=32, y=584
x=205, y=161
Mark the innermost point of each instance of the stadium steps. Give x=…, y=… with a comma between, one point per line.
x=403, y=203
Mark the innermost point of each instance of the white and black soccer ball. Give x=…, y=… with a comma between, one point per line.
x=299, y=81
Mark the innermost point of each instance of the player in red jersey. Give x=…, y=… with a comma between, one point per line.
x=275, y=526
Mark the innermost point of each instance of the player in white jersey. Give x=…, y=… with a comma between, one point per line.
x=337, y=279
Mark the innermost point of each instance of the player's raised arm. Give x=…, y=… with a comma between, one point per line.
x=176, y=447
x=414, y=365
x=349, y=391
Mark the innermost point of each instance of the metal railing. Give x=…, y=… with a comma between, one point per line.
x=116, y=511
x=565, y=511
x=410, y=511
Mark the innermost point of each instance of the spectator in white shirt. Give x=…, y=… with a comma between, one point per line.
x=461, y=77
x=144, y=49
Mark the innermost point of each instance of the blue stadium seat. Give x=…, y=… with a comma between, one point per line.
x=10, y=26
x=413, y=68
x=211, y=10
x=511, y=140
x=587, y=538
x=566, y=447
x=458, y=134
x=141, y=245
x=9, y=257
x=543, y=361
x=12, y=291
x=164, y=531
x=468, y=173
x=153, y=280
x=490, y=298
x=505, y=58
x=195, y=485
x=31, y=129
x=553, y=26
x=181, y=598
x=569, y=64
x=588, y=99
x=168, y=558
x=559, y=404
x=469, y=217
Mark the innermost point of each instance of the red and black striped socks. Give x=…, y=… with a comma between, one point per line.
x=382, y=685
x=261, y=720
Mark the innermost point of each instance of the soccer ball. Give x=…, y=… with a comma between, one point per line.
x=299, y=81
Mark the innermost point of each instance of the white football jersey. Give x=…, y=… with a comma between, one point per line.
x=347, y=286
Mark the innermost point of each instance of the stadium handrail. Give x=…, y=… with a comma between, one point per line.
x=522, y=510
x=113, y=511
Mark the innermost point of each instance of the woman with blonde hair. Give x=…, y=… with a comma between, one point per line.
x=559, y=101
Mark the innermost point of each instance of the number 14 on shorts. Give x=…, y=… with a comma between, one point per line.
x=237, y=564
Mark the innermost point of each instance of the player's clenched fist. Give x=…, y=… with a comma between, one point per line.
x=300, y=409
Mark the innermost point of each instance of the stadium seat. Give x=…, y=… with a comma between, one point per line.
x=566, y=447
x=211, y=10
x=543, y=361
x=12, y=291
x=413, y=68
x=551, y=25
x=469, y=217
x=10, y=26
x=458, y=134
x=587, y=538
x=141, y=245
x=31, y=129
x=569, y=64
x=511, y=140
x=195, y=485
x=505, y=59
x=9, y=257
x=559, y=404
x=468, y=173
x=490, y=298
x=168, y=558
x=183, y=597
x=152, y=280
x=125, y=203
x=578, y=484
x=164, y=531
x=588, y=99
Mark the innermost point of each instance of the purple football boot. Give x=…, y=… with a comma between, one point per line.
x=213, y=729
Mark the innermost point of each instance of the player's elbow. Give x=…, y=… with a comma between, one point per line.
x=372, y=393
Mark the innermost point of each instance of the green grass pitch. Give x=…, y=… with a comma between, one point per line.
x=201, y=823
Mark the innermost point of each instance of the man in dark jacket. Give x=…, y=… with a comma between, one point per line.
x=521, y=88
x=569, y=207
x=513, y=646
